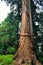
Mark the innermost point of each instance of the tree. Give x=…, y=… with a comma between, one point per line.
x=26, y=54
x=26, y=30
x=9, y=33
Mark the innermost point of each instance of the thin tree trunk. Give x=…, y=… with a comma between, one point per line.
x=25, y=54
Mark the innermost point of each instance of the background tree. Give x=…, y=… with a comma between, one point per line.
x=9, y=34
x=37, y=29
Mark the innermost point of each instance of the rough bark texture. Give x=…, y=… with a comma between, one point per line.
x=25, y=54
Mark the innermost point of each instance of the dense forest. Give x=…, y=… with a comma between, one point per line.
x=10, y=29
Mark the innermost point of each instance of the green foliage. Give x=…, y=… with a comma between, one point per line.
x=40, y=56
x=6, y=60
x=37, y=21
x=10, y=50
x=9, y=34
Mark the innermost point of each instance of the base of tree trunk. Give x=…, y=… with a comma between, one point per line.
x=25, y=54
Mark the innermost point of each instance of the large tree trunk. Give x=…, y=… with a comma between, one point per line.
x=25, y=54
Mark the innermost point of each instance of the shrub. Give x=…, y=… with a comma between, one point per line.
x=6, y=59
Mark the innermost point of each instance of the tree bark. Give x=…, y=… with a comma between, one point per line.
x=25, y=54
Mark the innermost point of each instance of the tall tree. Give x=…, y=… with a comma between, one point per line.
x=26, y=54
